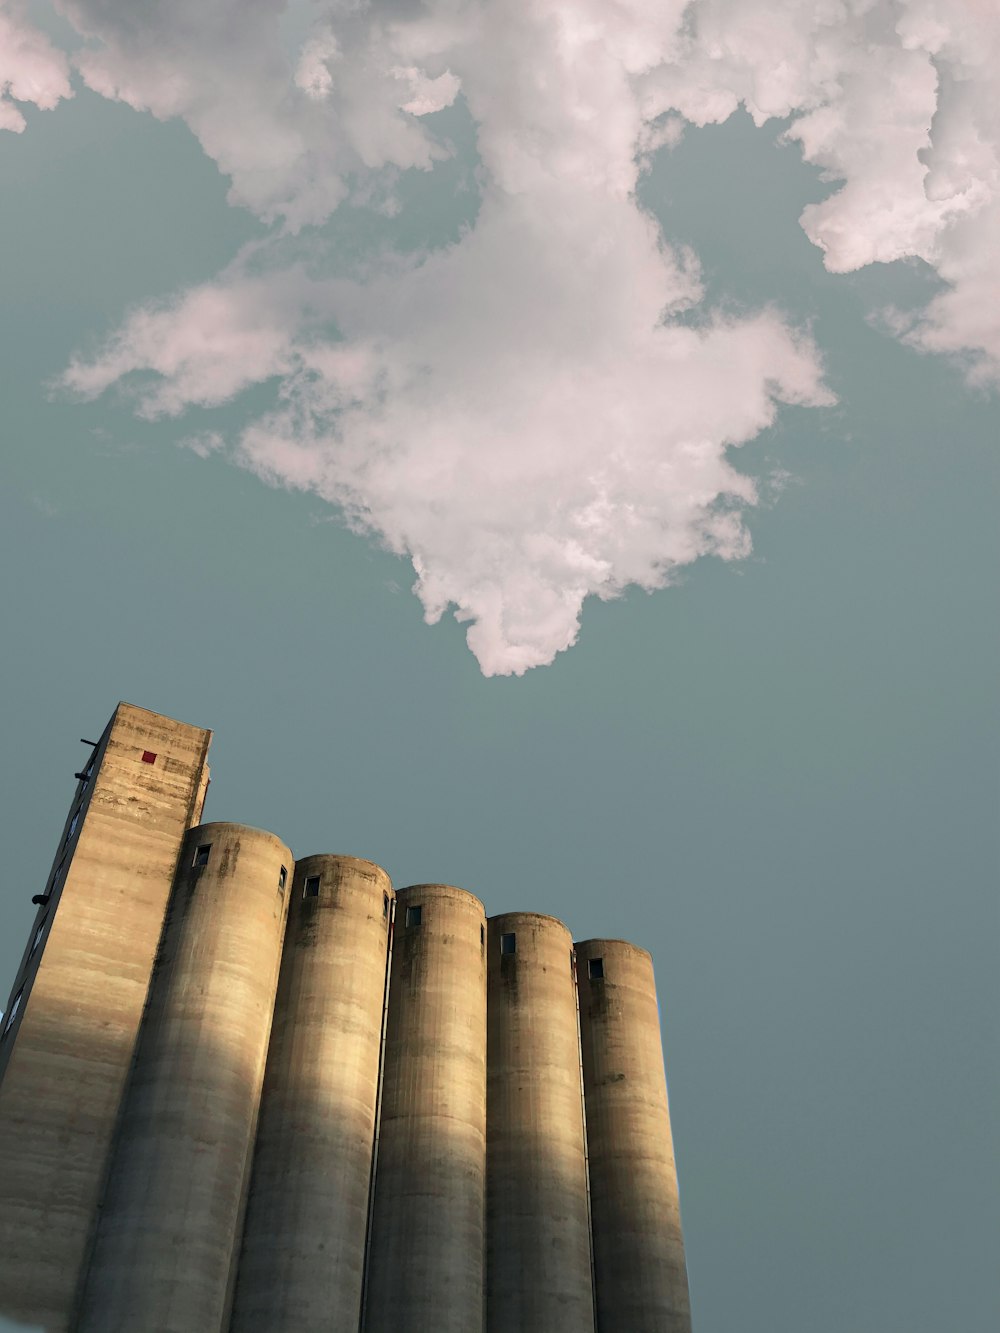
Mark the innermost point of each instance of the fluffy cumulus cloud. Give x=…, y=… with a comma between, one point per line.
x=895, y=101
x=518, y=412
x=526, y=413
x=31, y=68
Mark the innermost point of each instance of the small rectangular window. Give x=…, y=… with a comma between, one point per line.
x=413, y=916
x=385, y=906
x=15, y=1005
x=282, y=877
x=508, y=943
x=572, y=961
x=311, y=887
x=595, y=969
x=201, y=854
x=482, y=937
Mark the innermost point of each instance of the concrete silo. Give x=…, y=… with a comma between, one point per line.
x=538, y=1262
x=171, y=1215
x=302, y=1262
x=640, y=1274
x=425, y=1268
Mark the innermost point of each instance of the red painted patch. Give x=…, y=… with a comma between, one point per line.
x=148, y=757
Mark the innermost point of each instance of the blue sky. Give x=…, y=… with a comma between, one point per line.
x=728, y=572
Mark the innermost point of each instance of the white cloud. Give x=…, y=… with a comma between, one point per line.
x=523, y=414
x=31, y=68
x=896, y=102
x=289, y=130
x=514, y=413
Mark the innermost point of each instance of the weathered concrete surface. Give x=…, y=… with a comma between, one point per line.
x=302, y=1263
x=641, y=1278
x=172, y=1212
x=427, y=1247
x=64, y=1063
x=538, y=1267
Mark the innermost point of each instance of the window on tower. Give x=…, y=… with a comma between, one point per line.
x=595, y=969
x=201, y=854
x=311, y=887
x=413, y=916
x=508, y=943
x=14, y=1007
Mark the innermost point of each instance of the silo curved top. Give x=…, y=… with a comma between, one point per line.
x=625, y=946
x=530, y=916
x=227, y=826
x=358, y=864
x=444, y=892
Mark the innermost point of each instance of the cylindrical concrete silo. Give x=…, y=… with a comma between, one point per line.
x=171, y=1217
x=302, y=1262
x=538, y=1264
x=640, y=1275
x=425, y=1268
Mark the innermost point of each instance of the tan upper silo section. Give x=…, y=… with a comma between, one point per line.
x=425, y=1271
x=172, y=1213
x=641, y=1278
x=302, y=1263
x=538, y=1265
x=82, y=986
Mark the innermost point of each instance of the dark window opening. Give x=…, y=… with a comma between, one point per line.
x=595, y=969
x=385, y=906
x=149, y=756
x=572, y=961
x=508, y=943
x=311, y=887
x=201, y=854
x=413, y=916
x=282, y=877
x=482, y=937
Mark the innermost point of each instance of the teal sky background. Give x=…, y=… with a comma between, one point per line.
x=780, y=776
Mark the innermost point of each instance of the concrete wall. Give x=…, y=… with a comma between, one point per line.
x=171, y=1216
x=64, y=1061
x=538, y=1267
x=641, y=1279
x=426, y=1258
x=302, y=1263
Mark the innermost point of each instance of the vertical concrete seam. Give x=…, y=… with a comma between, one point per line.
x=586, y=1144
x=373, y=1174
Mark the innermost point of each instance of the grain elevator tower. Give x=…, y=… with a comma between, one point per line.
x=240, y=1091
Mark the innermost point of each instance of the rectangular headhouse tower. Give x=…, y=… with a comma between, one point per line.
x=240, y=1092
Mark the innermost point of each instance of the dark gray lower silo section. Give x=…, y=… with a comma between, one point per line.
x=538, y=1263
x=425, y=1269
x=172, y=1211
x=640, y=1274
x=302, y=1262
